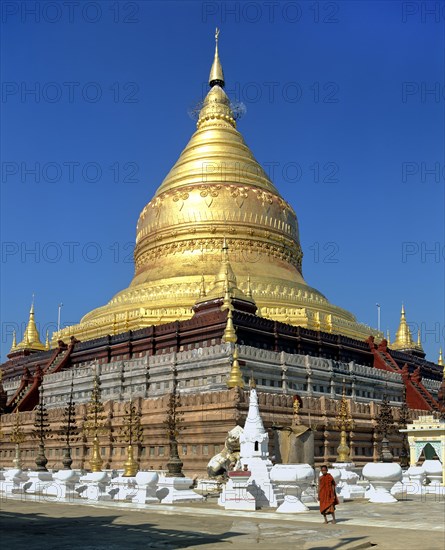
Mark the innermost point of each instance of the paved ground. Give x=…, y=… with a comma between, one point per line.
x=38, y=524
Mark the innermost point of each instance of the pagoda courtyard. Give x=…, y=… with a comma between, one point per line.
x=196, y=407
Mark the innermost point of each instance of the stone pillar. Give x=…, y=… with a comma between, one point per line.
x=309, y=375
x=353, y=389
x=332, y=388
x=284, y=386
x=351, y=445
x=325, y=446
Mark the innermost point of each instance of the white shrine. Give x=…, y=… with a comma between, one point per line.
x=427, y=434
x=257, y=490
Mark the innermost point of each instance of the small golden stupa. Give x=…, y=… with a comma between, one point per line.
x=404, y=340
x=216, y=192
x=31, y=338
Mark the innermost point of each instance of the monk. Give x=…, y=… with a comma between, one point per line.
x=326, y=494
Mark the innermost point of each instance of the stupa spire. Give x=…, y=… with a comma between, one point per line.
x=235, y=376
x=419, y=340
x=254, y=425
x=14, y=341
x=440, y=360
x=216, y=72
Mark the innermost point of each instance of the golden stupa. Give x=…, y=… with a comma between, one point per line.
x=31, y=338
x=404, y=340
x=216, y=190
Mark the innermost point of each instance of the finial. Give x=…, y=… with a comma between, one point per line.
x=229, y=334
x=31, y=311
x=225, y=249
x=227, y=295
x=419, y=340
x=235, y=377
x=387, y=337
x=403, y=310
x=202, y=287
x=14, y=340
x=252, y=383
x=249, y=288
x=440, y=360
x=47, y=344
x=216, y=77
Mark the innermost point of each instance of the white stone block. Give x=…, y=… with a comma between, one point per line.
x=176, y=489
x=94, y=486
x=146, y=488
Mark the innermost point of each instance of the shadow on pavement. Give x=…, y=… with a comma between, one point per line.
x=38, y=531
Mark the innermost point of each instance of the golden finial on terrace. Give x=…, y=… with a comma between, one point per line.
x=235, y=377
x=419, y=340
x=344, y=422
x=202, y=287
x=249, y=288
x=440, y=360
x=229, y=334
x=47, y=344
x=14, y=341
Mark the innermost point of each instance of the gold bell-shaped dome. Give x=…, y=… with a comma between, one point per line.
x=216, y=192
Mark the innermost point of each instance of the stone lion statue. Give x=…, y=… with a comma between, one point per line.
x=220, y=463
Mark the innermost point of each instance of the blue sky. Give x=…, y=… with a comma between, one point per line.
x=345, y=104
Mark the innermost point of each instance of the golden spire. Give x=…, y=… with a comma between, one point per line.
x=47, y=344
x=403, y=339
x=227, y=304
x=387, y=337
x=31, y=337
x=225, y=283
x=440, y=360
x=14, y=341
x=249, y=288
x=229, y=332
x=202, y=287
x=216, y=73
x=252, y=382
x=419, y=341
x=235, y=377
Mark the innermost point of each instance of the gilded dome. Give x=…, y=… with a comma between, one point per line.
x=216, y=191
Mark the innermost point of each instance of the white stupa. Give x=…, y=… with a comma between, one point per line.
x=254, y=454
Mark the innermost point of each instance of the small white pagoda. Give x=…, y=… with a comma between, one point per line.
x=256, y=491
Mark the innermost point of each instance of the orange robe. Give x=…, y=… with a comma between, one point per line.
x=326, y=494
